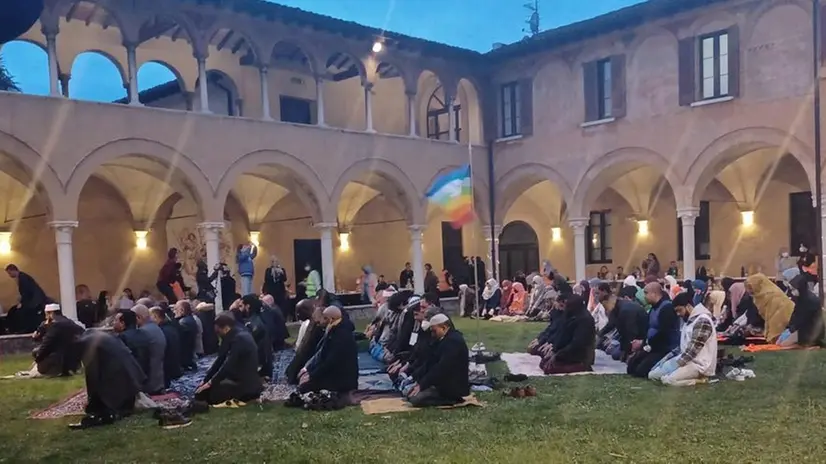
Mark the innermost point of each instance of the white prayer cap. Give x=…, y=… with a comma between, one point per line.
x=439, y=319
x=387, y=293
x=630, y=281
x=52, y=307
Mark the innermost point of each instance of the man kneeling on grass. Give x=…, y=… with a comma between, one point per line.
x=334, y=366
x=696, y=358
x=445, y=382
x=233, y=378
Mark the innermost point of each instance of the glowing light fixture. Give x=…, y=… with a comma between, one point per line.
x=748, y=218
x=642, y=227
x=140, y=239
x=5, y=243
x=344, y=241
x=595, y=239
x=378, y=46
x=255, y=237
x=556, y=234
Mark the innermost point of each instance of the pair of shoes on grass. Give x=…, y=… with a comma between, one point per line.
x=172, y=419
x=521, y=392
x=232, y=404
x=90, y=421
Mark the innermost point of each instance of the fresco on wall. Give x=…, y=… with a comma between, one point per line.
x=183, y=233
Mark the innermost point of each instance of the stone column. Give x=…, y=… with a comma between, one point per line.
x=202, y=80
x=66, y=266
x=328, y=265
x=265, y=94
x=212, y=243
x=51, y=50
x=132, y=63
x=418, y=257
x=492, y=234
x=411, y=113
x=452, y=119
x=319, y=92
x=688, y=217
x=368, y=107
x=579, y=225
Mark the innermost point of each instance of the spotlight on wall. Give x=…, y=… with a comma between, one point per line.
x=556, y=234
x=140, y=239
x=747, y=217
x=344, y=241
x=5, y=243
x=642, y=227
x=255, y=237
x=378, y=46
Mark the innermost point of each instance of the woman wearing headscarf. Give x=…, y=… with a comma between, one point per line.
x=507, y=294
x=467, y=298
x=806, y=324
x=518, y=297
x=700, y=288
x=275, y=283
x=492, y=297
x=537, y=296
x=773, y=305
x=651, y=265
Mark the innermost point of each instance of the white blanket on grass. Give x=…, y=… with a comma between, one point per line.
x=524, y=363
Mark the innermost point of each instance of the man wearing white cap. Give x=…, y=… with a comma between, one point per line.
x=57, y=354
x=444, y=382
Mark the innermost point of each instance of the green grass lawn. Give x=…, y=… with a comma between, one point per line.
x=777, y=417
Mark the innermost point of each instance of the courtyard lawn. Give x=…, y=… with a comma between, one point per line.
x=778, y=417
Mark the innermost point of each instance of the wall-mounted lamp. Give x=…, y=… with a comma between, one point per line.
x=140, y=239
x=595, y=239
x=344, y=241
x=556, y=234
x=747, y=217
x=642, y=227
x=5, y=243
x=378, y=46
x=255, y=237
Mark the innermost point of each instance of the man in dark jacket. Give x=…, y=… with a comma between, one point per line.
x=274, y=318
x=155, y=382
x=113, y=379
x=544, y=342
x=126, y=328
x=251, y=307
x=629, y=319
x=172, y=354
x=663, y=333
x=33, y=301
x=57, y=354
x=335, y=365
x=187, y=334
x=445, y=382
x=234, y=375
x=574, y=349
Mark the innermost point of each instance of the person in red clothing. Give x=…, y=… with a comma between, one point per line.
x=169, y=275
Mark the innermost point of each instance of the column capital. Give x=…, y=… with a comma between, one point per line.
x=692, y=212
x=579, y=224
x=50, y=30
x=130, y=46
x=416, y=228
x=211, y=225
x=263, y=68
x=63, y=226
x=411, y=93
x=368, y=86
x=326, y=225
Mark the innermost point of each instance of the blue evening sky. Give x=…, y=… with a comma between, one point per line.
x=473, y=24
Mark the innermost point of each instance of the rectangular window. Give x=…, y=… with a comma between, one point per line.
x=598, y=238
x=802, y=222
x=605, y=88
x=438, y=122
x=511, y=109
x=297, y=110
x=714, y=65
x=702, y=234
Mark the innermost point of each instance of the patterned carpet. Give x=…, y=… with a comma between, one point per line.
x=75, y=404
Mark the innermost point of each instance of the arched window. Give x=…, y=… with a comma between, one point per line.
x=519, y=250
x=438, y=117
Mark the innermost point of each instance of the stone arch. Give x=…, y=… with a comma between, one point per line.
x=214, y=36
x=110, y=151
x=649, y=33
x=599, y=175
x=159, y=24
x=172, y=69
x=703, y=24
x=520, y=179
x=63, y=8
x=738, y=143
x=338, y=59
x=37, y=169
x=472, y=117
x=118, y=65
x=407, y=190
x=481, y=194
x=313, y=194
x=757, y=14
x=296, y=45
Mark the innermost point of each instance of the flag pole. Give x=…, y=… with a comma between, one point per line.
x=473, y=229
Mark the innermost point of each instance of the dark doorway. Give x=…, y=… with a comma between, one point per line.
x=296, y=110
x=452, y=252
x=306, y=251
x=519, y=250
x=802, y=222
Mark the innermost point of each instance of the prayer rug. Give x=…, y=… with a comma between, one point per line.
x=375, y=383
x=773, y=347
x=524, y=363
x=75, y=404
x=185, y=385
x=391, y=405
x=368, y=365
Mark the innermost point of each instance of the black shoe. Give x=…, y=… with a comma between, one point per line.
x=174, y=421
x=198, y=407
x=515, y=377
x=92, y=421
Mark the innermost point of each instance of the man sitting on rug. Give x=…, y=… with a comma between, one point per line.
x=445, y=382
x=574, y=348
x=251, y=306
x=406, y=370
x=696, y=358
x=544, y=342
x=188, y=334
x=663, y=333
x=234, y=375
x=155, y=382
x=309, y=336
x=126, y=327
x=630, y=321
x=334, y=366
x=274, y=318
x=172, y=368
x=113, y=379
x=57, y=354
